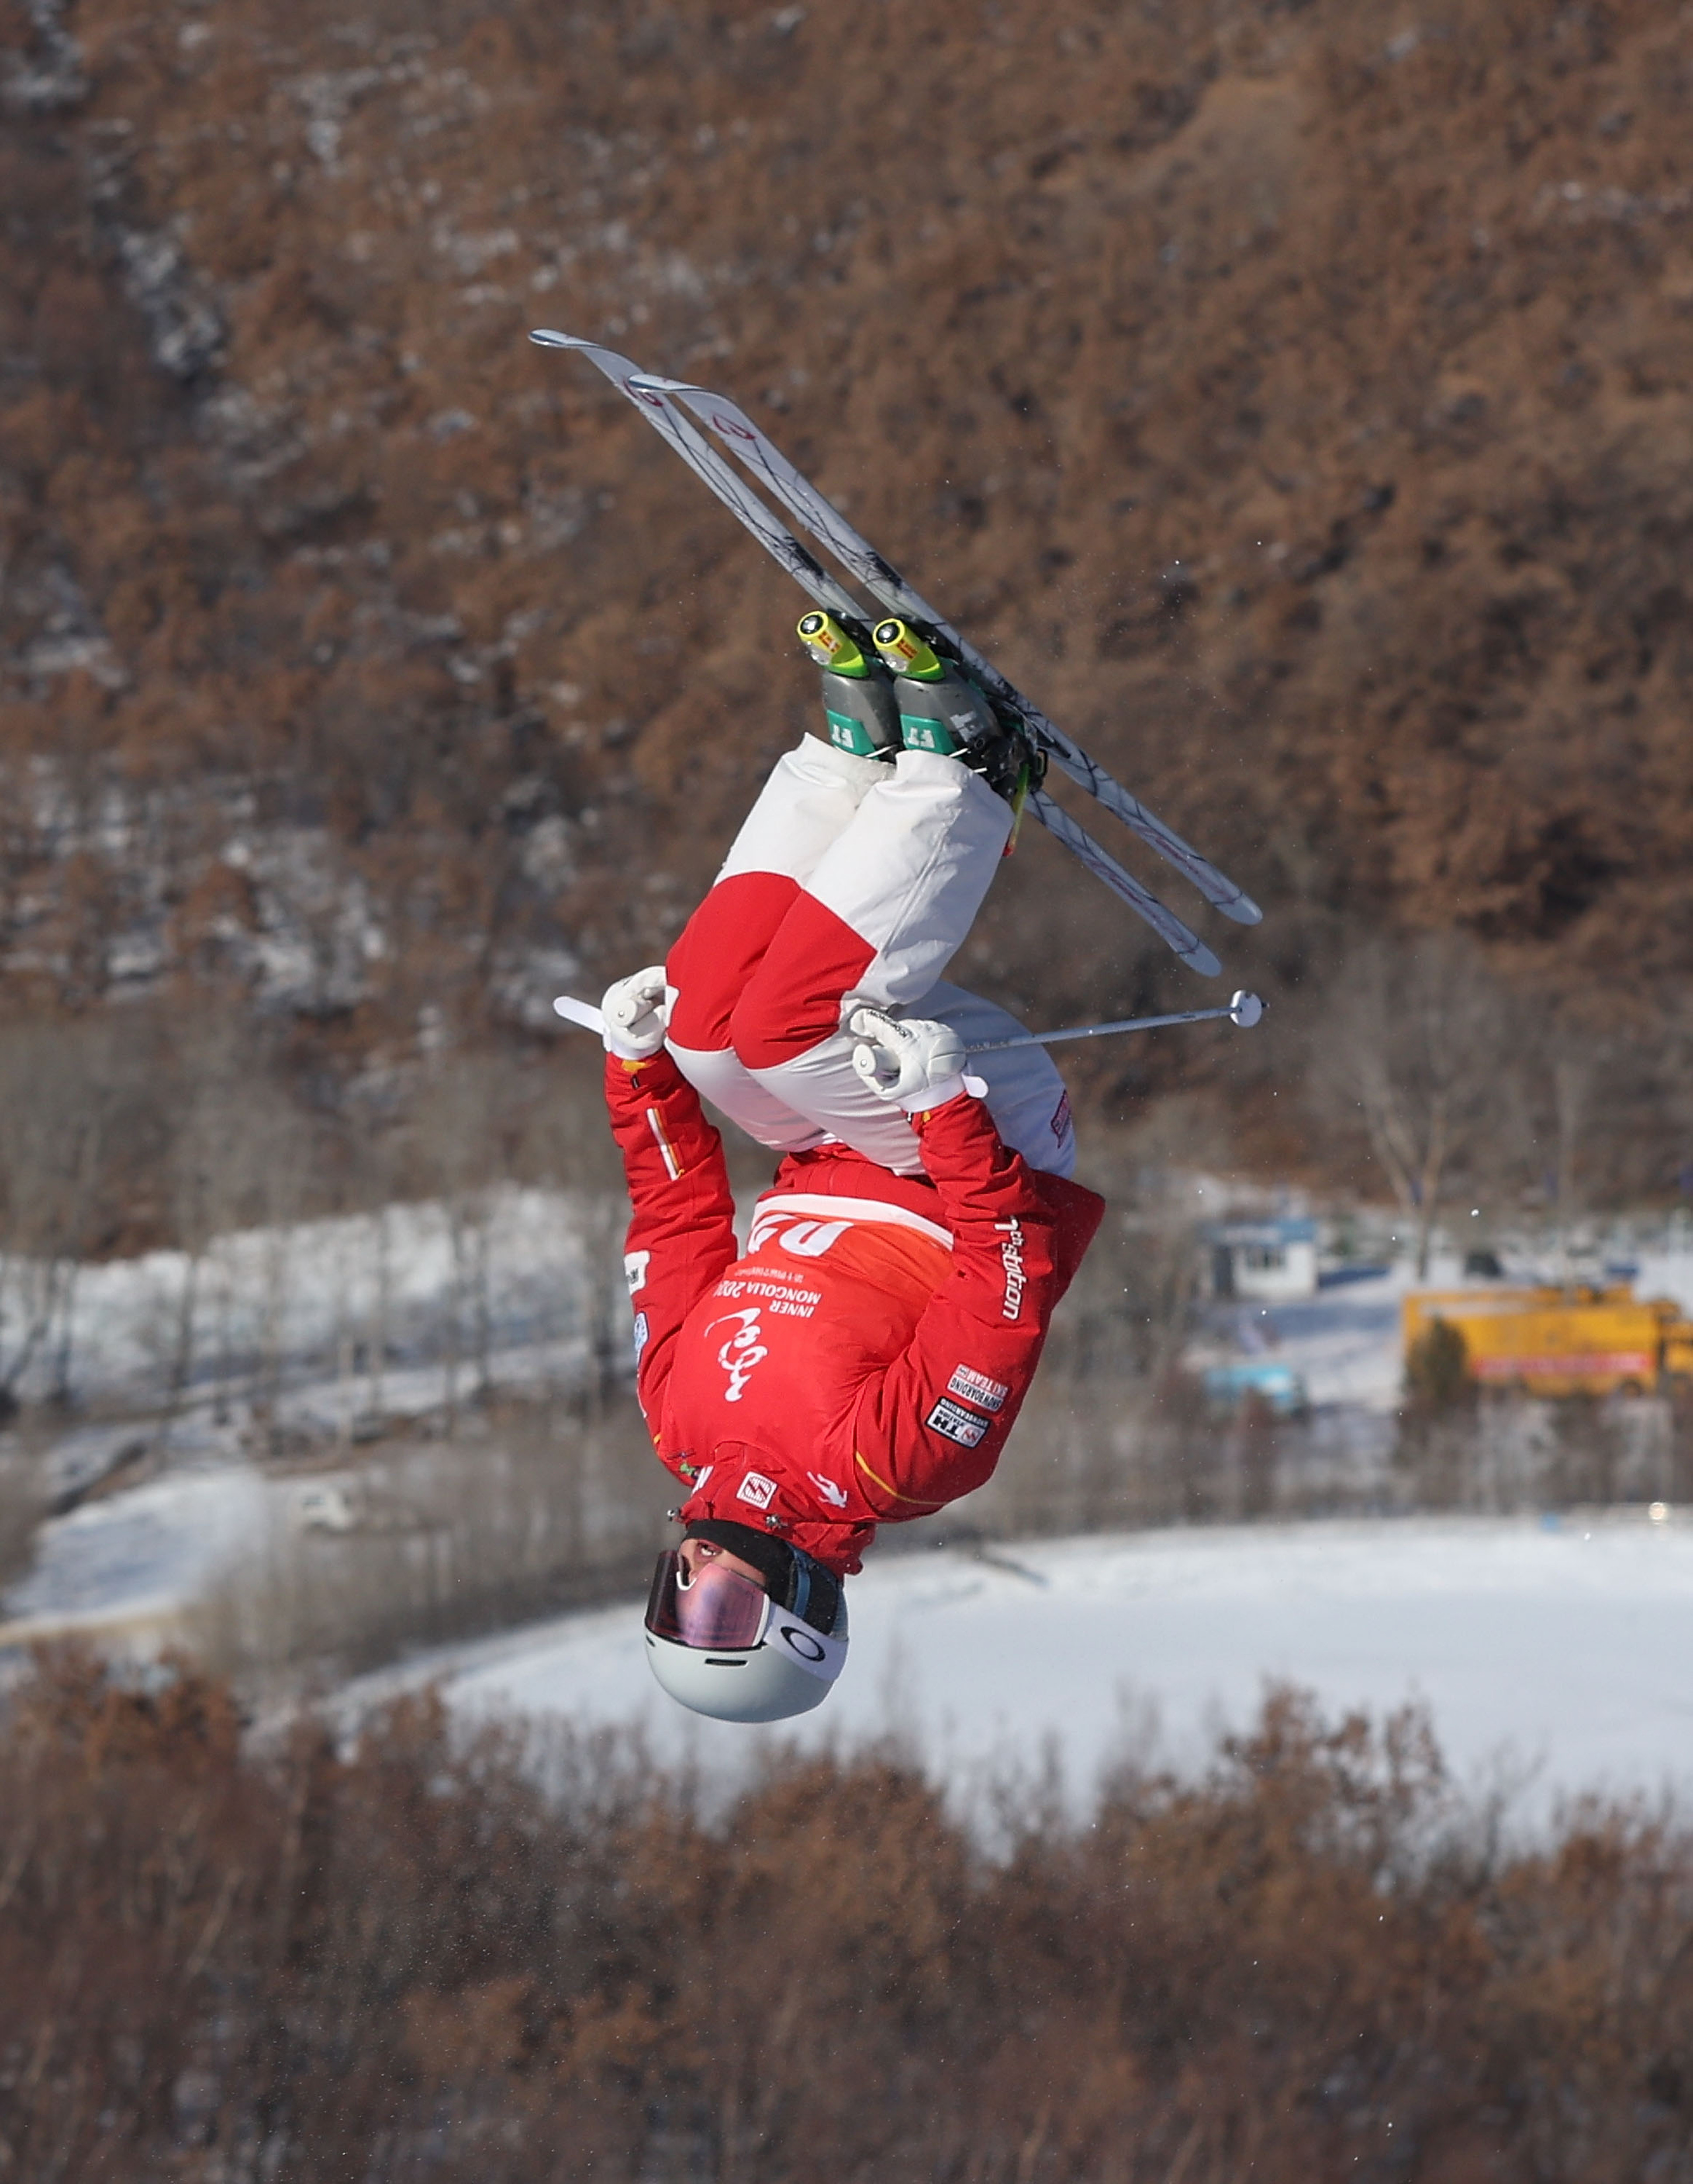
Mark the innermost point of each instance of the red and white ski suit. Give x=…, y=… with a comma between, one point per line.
x=865, y=1359
x=850, y=883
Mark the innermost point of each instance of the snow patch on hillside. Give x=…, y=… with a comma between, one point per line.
x=1554, y=1654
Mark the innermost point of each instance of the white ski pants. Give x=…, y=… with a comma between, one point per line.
x=850, y=883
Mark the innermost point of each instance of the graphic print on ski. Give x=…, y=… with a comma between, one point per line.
x=825, y=590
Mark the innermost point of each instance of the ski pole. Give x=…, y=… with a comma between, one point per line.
x=1245, y=1010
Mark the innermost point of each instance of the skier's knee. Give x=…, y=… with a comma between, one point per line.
x=767, y=1027
x=793, y=1001
x=718, y=951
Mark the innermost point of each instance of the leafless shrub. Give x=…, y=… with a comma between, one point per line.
x=566, y=1144
x=458, y=1124
x=536, y=1509
x=1510, y=1453
x=23, y=1504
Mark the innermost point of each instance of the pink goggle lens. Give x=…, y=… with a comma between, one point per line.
x=716, y=1607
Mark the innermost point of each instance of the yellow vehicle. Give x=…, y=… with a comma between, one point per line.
x=1574, y=1342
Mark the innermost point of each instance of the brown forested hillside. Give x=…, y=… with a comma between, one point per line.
x=1295, y=398
x=383, y=1950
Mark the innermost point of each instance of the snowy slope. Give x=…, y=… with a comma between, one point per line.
x=137, y=1558
x=1563, y=1650
x=321, y=1282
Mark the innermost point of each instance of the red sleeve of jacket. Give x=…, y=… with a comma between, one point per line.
x=682, y=1235
x=932, y=1426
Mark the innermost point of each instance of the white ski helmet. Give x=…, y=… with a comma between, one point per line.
x=725, y=1646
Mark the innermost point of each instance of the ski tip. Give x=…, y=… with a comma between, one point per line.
x=655, y=382
x=1198, y=957
x=1242, y=909
x=548, y=338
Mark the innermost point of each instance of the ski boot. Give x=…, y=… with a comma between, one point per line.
x=858, y=691
x=941, y=710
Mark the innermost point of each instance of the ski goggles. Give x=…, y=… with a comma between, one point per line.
x=718, y=1610
x=715, y=1609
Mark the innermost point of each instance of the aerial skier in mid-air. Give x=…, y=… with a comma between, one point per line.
x=863, y=1361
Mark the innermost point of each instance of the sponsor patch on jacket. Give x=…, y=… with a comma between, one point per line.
x=977, y=1388
x=957, y=1423
x=1011, y=1256
x=641, y=1334
x=835, y=1497
x=756, y=1489
x=634, y=1265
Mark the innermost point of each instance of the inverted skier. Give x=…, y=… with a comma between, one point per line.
x=863, y=1360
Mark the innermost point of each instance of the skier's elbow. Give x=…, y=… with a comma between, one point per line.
x=899, y=1484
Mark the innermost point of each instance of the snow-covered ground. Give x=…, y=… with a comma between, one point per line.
x=1567, y=1645
x=314, y=1296
x=1344, y=1342
x=1554, y=1655
x=1665, y=1271
x=129, y=1564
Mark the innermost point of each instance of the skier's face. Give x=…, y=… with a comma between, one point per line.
x=696, y=1552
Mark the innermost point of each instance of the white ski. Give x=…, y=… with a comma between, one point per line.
x=1164, y=922
x=672, y=427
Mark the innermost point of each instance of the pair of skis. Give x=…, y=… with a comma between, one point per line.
x=664, y=403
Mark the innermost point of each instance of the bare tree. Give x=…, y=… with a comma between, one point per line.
x=1572, y=1073
x=65, y=1092
x=376, y=1145
x=461, y=1123
x=1562, y=1057
x=209, y=1169
x=277, y=1147
x=1411, y=1048
x=381, y=1315
x=568, y=1145
x=530, y=1509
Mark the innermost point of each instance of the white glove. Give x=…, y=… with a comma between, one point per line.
x=635, y=1013
x=907, y=1059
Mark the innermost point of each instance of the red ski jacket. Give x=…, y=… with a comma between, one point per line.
x=864, y=1360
